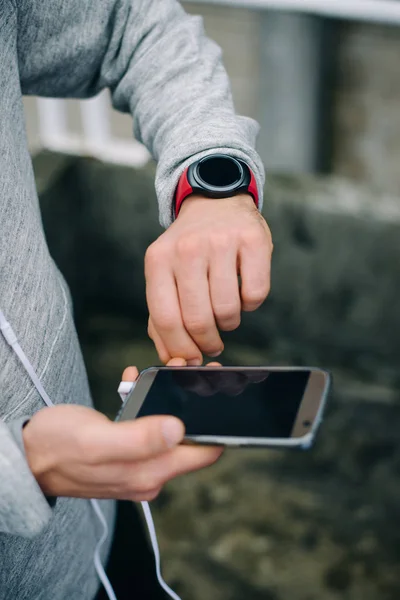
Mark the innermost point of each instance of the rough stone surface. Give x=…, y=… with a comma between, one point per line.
x=317, y=525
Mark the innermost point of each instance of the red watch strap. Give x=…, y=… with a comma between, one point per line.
x=252, y=189
x=183, y=190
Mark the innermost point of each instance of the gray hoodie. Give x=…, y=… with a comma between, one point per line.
x=160, y=67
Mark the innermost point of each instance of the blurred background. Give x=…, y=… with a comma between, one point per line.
x=322, y=78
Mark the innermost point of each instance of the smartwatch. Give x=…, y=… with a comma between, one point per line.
x=216, y=176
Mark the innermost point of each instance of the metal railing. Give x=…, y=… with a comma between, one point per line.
x=96, y=138
x=376, y=11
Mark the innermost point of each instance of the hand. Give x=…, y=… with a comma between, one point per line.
x=76, y=451
x=192, y=275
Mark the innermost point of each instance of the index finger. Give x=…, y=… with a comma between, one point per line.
x=165, y=311
x=130, y=374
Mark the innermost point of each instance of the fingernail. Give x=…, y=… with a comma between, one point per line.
x=196, y=362
x=172, y=431
x=216, y=354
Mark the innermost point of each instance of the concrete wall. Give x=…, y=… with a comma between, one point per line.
x=367, y=98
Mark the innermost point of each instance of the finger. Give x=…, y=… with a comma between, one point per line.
x=181, y=460
x=255, y=268
x=187, y=459
x=145, y=496
x=130, y=441
x=224, y=287
x=130, y=374
x=177, y=362
x=159, y=344
x=214, y=364
x=195, y=302
x=165, y=311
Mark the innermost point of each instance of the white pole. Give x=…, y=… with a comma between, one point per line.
x=289, y=79
x=95, y=114
x=52, y=120
x=98, y=139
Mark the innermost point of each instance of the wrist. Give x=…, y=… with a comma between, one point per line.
x=197, y=202
x=40, y=462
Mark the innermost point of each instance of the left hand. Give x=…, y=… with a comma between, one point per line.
x=74, y=451
x=192, y=273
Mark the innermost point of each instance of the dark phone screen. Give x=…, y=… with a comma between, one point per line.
x=229, y=403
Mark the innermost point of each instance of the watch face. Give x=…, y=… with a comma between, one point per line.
x=219, y=171
x=219, y=175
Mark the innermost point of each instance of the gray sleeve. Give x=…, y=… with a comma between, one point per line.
x=158, y=64
x=24, y=509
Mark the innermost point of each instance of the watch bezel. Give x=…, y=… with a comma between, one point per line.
x=200, y=185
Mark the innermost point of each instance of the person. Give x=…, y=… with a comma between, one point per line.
x=158, y=65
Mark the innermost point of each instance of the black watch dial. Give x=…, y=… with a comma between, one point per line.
x=219, y=176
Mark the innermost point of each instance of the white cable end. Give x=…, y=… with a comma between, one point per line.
x=125, y=388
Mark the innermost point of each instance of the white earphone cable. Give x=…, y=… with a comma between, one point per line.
x=12, y=340
x=96, y=557
x=153, y=538
x=124, y=389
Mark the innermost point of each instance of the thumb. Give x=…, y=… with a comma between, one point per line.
x=144, y=438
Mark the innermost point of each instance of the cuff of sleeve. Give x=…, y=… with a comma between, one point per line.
x=170, y=171
x=24, y=509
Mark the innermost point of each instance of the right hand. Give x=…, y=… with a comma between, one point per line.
x=76, y=451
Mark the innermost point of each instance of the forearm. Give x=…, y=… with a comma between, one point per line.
x=158, y=64
x=24, y=509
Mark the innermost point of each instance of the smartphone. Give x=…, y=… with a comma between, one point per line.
x=235, y=406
